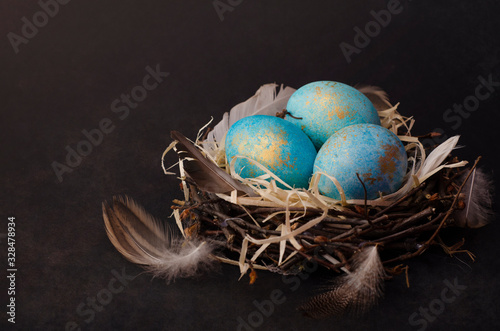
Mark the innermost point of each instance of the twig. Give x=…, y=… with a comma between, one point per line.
x=366, y=197
x=397, y=202
x=414, y=218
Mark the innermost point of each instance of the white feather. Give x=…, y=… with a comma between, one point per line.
x=478, y=200
x=264, y=102
x=436, y=157
x=181, y=259
x=143, y=240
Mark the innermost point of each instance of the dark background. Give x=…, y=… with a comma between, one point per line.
x=65, y=78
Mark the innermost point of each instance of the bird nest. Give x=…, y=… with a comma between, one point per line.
x=256, y=224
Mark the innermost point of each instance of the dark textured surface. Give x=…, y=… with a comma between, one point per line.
x=65, y=79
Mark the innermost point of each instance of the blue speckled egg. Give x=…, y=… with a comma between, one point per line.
x=275, y=143
x=326, y=107
x=374, y=152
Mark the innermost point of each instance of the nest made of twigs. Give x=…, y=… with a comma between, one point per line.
x=403, y=228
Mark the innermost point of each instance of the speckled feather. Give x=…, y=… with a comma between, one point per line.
x=351, y=294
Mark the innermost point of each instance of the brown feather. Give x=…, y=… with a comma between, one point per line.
x=376, y=95
x=134, y=233
x=143, y=240
x=206, y=174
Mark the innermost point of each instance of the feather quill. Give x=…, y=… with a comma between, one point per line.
x=265, y=102
x=143, y=240
x=478, y=200
x=205, y=173
x=354, y=293
x=376, y=95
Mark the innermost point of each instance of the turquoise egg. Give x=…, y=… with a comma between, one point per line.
x=374, y=152
x=326, y=107
x=275, y=143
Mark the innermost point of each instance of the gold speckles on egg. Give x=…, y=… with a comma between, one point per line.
x=326, y=107
x=270, y=145
x=387, y=162
x=368, y=179
x=372, y=152
x=276, y=144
